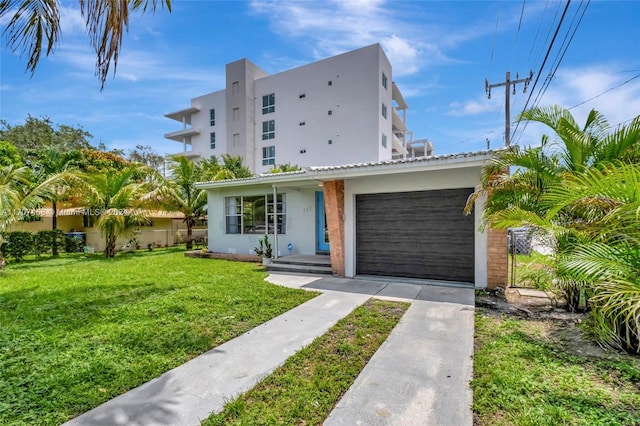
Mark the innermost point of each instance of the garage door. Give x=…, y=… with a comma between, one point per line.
x=415, y=234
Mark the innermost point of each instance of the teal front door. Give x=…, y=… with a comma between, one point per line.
x=322, y=232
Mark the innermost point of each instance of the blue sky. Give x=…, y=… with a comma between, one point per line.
x=441, y=53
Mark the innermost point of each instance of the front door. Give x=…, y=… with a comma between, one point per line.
x=322, y=232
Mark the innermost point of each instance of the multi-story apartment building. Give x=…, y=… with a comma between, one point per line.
x=344, y=109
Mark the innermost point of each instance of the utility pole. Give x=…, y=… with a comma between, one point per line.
x=507, y=90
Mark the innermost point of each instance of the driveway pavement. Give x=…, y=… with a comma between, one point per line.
x=420, y=375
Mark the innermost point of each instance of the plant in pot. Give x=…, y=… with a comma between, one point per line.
x=264, y=249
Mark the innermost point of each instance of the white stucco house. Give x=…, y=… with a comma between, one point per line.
x=343, y=109
x=400, y=218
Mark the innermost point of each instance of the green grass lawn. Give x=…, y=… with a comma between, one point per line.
x=305, y=389
x=76, y=332
x=525, y=376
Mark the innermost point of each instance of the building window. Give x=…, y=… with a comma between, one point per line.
x=330, y=112
x=302, y=123
x=268, y=103
x=269, y=155
x=384, y=140
x=212, y=140
x=384, y=80
x=384, y=110
x=329, y=83
x=212, y=117
x=254, y=214
x=236, y=139
x=268, y=130
x=330, y=141
x=235, y=87
x=236, y=114
x=302, y=96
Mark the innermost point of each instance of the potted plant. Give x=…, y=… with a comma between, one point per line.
x=264, y=250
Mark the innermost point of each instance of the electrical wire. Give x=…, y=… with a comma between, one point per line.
x=606, y=91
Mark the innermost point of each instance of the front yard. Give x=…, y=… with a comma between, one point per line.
x=76, y=332
x=540, y=372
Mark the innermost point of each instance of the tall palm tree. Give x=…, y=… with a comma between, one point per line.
x=121, y=200
x=180, y=193
x=34, y=27
x=53, y=161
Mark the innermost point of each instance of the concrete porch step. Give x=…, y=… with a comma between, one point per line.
x=305, y=264
x=304, y=260
x=300, y=269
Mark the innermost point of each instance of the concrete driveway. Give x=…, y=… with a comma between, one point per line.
x=421, y=373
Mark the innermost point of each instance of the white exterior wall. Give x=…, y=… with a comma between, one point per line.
x=354, y=98
x=200, y=144
x=418, y=181
x=300, y=222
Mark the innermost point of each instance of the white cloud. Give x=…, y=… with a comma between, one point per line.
x=472, y=107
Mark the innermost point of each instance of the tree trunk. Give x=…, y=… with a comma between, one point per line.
x=54, y=226
x=110, y=249
x=189, y=236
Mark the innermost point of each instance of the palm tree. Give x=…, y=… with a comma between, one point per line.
x=35, y=24
x=516, y=199
x=121, y=200
x=54, y=162
x=180, y=193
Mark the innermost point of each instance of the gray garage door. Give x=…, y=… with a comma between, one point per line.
x=415, y=234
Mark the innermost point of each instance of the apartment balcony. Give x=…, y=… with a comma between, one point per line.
x=191, y=155
x=397, y=146
x=183, y=115
x=396, y=95
x=397, y=122
x=182, y=135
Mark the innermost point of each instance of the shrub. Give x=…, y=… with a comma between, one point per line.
x=18, y=244
x=45, y=241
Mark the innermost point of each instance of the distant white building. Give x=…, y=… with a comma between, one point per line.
x=344, y=109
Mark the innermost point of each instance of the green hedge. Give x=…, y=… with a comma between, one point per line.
x=21, y=243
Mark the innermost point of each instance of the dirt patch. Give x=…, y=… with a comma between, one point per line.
x=561, y=327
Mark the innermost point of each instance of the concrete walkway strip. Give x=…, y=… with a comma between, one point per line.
x=421, y=373
x=189, y=393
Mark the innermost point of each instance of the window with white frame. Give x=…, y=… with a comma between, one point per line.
x=212, y=117
x=384, y=80
x=255, y=214
x=268, y=155
x=268, y=130
x=384, y=110
x=269, y=103
x=212, y=140
x=384, y=140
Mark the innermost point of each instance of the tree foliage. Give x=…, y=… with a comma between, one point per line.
x=34, y=27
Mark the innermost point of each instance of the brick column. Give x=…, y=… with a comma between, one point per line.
x=334, y=211
x=497, y=258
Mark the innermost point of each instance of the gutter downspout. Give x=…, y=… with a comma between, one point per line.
x=275, y=222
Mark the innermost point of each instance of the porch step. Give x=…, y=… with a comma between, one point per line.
x=302, y=264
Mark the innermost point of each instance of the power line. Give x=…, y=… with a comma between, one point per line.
x=606, y=91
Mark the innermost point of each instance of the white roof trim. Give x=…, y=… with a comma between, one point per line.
x=321, y=173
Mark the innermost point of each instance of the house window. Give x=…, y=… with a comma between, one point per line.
x=212, y=140
x=384, y=140
x=236, y=114
x=268, y=103
x=254, y=214
x=89, y=220
x=268, y=130
x=384, y=110
x=384, y=80
x=235, y=87
x=268, y=155
x=236, y=139
x=212, y=117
